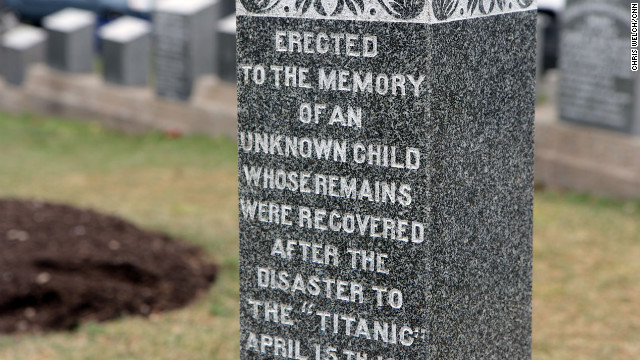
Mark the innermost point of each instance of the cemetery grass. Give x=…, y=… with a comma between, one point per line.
x=586, y=249
x=185, y=187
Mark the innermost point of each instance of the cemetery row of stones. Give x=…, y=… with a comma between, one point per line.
x=187, y=40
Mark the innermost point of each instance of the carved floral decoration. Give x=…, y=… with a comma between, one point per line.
x=259, y=6
x=401, y=9
x=356, y=7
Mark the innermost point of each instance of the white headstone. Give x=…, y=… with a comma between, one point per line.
x=20, y=47
x=23, y=37
x=183, y=7
x=126, y=47
x=125, y=29
x=69, y=20
x=71, y=40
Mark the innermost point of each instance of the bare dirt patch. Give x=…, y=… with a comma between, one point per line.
x=61, y=266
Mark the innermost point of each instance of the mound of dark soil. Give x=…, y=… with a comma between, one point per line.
x=60, y=266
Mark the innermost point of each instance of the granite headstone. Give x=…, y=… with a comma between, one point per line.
x=185, y=34
x=19, y=48
x=71, y=33
x=227, y=48
x=598, y=86
x=385, y=178
x=126, y=48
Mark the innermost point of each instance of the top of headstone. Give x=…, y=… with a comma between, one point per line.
x=228, y=24
x=183, y=7
x=615, y=9
x=69, y=19
x=125, y=29
x=23, y=37
x=417, y=11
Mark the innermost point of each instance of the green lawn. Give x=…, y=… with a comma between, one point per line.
x=586, y=266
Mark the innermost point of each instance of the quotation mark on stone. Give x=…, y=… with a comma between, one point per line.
x=307, y=308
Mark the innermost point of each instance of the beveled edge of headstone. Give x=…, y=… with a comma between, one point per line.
x=125, y=29
x=69, y=19
x=419, y=11
x=23, y=37
x=182, y=7
x=228, y=25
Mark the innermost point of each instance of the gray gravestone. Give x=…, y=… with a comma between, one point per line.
x=70, y=46
x=19, y=48
x=227, y=7
x=597, y=85
x=227, y=48
x=185, y=34
x=385, y=179
x=8, y=19
x=126, y=46
x=540, y=41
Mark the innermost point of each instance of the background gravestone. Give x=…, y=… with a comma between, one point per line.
x=126, y=46
x=228, y=7
x=540, y=50
x=70, y=46
x=385, y=178
x=597, y=85
x=20, y=47
x=227, y=48
x=7, y=19
x=185, y=35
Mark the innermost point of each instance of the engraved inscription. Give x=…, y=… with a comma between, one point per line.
x=328, y=276
x=171, y=47
x=328, y=207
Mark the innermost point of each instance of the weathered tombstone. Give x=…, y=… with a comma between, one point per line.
x=227, y=48
x=598, y=86
x=184, y=44
x=19, y=48
x=126, y=46
x=70, y=47
x=385, y=178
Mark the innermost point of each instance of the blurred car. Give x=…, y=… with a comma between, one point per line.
x=549, y=19
x=33, y=11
